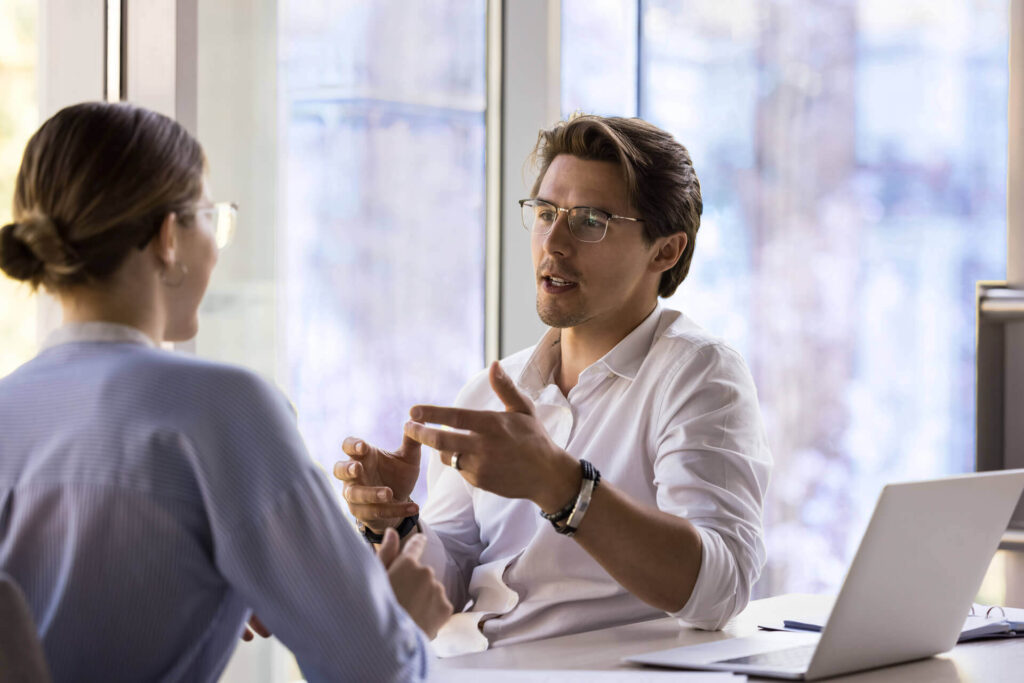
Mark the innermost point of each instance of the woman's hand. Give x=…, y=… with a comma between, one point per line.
x=414, y=584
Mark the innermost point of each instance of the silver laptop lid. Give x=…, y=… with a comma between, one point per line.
x=919, y=565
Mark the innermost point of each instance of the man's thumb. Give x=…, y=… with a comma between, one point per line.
x=508, y=392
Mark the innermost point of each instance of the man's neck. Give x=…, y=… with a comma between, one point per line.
x=583, y=345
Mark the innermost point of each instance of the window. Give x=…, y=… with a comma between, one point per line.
x=19, y=117
x=357, y=277
x=852, y=157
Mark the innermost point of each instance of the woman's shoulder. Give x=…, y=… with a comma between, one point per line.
x=205, y=384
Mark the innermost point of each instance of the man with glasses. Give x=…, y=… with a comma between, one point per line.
x=615, y=471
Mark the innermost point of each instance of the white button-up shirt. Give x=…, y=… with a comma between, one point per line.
x=670, y=417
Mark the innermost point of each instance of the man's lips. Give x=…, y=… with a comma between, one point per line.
x=559, y=281
x=556, y=285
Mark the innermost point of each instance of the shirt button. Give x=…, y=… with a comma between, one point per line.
x=411, y=645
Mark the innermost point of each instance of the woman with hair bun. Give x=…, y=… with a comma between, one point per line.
x=151, y=501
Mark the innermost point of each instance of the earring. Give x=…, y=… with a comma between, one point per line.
x=175, y=283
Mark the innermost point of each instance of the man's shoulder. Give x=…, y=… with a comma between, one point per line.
x=681, y=341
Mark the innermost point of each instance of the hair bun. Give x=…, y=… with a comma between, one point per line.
x=32, y=247
x=16, y=258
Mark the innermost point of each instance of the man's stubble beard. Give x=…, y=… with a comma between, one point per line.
x=552, y=317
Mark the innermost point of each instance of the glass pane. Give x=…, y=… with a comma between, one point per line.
x=351, y=135
x=852, y=157
x=382, y=246
x=19, y=118
x=599, y=57
x=356, y=276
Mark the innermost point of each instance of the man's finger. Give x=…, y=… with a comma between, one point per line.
x=465, y=461
x=409, y=451
x=355, y=447
x=367, y=494
x=515, y=401
x=458, y=418
x=389, y=547
x=440, y=439
x=347, y=471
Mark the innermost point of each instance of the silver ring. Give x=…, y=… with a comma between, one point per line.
x=455, y=461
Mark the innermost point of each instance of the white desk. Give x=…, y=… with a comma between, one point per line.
x=978, y=662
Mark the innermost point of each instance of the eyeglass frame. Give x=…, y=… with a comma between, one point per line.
x=568, y=218
x=215, y=207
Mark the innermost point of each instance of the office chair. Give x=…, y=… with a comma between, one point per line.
x=21, y=653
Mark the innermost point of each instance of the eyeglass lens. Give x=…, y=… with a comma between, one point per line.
x=226, y=218
x=585, y=223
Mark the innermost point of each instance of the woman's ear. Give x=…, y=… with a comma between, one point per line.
x=165, y=244
x=670, y=250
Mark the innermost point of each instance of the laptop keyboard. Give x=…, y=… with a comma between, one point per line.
x=789, y=658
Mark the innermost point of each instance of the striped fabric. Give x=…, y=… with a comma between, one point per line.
x=149, y=500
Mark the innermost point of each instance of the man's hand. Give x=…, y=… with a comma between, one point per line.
x=378, y=482
x=508, y=453
x=414, y=584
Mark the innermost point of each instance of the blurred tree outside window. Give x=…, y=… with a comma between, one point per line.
x=852, y=158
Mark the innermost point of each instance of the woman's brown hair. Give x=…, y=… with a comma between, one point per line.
x=96, y=181
x=657, y=170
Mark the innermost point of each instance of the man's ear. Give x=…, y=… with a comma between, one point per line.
x=669, y=250
x=165, y=243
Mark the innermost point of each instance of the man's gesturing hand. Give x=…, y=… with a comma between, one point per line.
x=508, y=453
x=415, y=587
x=378, y=482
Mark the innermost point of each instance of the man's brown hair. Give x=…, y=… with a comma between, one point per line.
x=96, y=181
x=658, y=172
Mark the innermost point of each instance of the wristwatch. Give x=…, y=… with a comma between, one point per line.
x=404, y=528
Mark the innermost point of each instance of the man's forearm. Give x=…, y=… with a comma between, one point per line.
x=652, y=554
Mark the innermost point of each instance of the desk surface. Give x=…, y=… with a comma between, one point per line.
x=987, y=660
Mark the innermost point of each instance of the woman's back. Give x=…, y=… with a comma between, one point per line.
x=105, y=526
x=148, y=499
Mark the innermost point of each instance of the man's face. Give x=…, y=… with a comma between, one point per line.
x=600, y=286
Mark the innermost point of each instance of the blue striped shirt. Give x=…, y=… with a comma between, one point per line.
x=149, y=500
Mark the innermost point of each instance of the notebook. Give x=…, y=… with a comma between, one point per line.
x=984, y=621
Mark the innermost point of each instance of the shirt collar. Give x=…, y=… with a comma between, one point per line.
x=628, y=355
x=624, y=359
x=96, y=332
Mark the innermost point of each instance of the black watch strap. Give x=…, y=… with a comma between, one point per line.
x=404, y=528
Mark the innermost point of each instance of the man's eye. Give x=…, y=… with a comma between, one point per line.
x=546, y=215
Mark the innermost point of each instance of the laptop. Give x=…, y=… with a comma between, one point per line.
x=905, y=596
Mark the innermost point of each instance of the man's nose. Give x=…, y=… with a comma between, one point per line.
x=559, y=240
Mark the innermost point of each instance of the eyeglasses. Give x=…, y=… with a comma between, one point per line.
x=586, y=223
x=225, y=221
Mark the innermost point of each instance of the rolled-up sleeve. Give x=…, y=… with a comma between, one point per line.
x=711, y=467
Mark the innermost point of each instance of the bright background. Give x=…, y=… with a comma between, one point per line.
x=852, y=157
